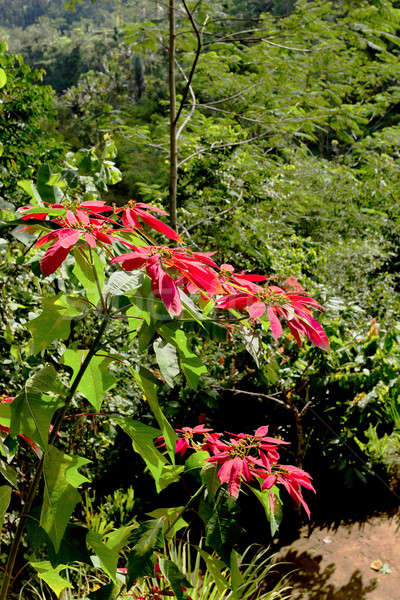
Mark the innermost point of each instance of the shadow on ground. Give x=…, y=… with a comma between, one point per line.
x=310, y=581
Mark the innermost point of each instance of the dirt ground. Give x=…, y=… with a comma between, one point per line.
x=334, y=563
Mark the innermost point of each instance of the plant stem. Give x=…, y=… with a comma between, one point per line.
x=39, y=471
x=188, y=503
x=103, y=304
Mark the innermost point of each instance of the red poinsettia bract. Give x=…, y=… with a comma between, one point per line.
x=295, y=307
x=74, y=228
x=136, y=211
x=163, y=263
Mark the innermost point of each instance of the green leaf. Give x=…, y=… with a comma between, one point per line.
x=106, y=592
x=175, y=577
x=45, y=380
x=5, y=497
x=139, y=565
x=84, y=272
x=8, y=473
x=46, y=185
x=167, y=359
x=274, y=515
x=190, y=308
x=209, y=475
x=170, y=474
x=62, y=478
x=29, y=187
x=148, y=538
x=5, y=414
x=171, y=522
x=32, y=411
x=121, y=283
x=191, y=364
x=215, y=566
x=108, y=557
x=54, y=323
x=253, y=344
x=96, y=380
x=222, y=528
x=236, y=576
x=149, y=387
x=119, y=538
x=52, y=576
x=3, y=78
x=196, y=461
x=31, y=415
x=142, y=437
x=73, y=547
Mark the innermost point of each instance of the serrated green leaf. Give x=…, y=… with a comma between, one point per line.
x=96, y=380
x=62, y=478
x=170, y=474
x=52, y=576
x=253, y=344
x=190, y=308
x=49, y=326
x=167, y=359
x=222, y=528
x=175, y=577
x=142, y=437
x=108, y=557
x=148, y=538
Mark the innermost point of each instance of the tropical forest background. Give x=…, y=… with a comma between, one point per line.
x=288, y=165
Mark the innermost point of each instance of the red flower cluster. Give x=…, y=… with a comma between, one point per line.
x=245, y=458
x=154, y=592
x=161, y=263
x=172, y=269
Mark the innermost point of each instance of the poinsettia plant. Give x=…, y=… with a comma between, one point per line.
x=113, y=267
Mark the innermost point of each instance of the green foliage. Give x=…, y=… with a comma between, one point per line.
x=96, y=380
x=52, y=576
x=5, y=496
x=62, y=479
x=25, y=104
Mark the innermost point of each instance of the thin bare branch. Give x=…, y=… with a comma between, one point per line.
x=258, y=395
x=193, y=107
x=233, y=95
x=197, y=32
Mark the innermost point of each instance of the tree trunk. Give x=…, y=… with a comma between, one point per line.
x=173, y=155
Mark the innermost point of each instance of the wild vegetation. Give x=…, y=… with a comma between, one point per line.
x=270, y=131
